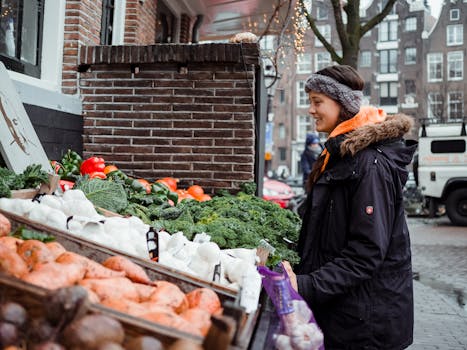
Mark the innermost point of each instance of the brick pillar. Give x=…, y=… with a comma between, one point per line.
x=186, y=111
x=82, y=27
x=185, y=32
x=140, y=22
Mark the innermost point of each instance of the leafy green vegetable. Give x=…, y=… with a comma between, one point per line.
x=238, y=221
x=31, y=177
x=24, y=233
x=105, y=194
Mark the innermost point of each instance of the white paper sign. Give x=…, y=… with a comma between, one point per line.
x=19, y=144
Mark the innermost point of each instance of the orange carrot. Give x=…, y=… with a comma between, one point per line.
x=12, y=263
x=117, y=287
x=55, y=248
x=144, y=291
x=132, y=270
x=205, y=299
x=172, y=320
x=33, y=252
x=168, y=294
x=52, y=275
x=93, y=269
x=11, y=242
x=199, y=318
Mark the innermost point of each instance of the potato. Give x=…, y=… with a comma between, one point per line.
x=40, y=331
x=66, y=304
x=92, y=331
x=144, y=343
x=110, y=346
x=13, y=313
x=8, y=334
x=48, y=346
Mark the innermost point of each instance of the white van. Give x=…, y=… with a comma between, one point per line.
x=442, y=168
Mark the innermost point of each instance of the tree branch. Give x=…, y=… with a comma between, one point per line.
x=311, y=21
x=378, y=18
x=340, y=27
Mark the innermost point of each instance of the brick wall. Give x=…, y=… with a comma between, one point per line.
x=186, y=111
x=82, y=27
x=140, y=22
x=185, y=29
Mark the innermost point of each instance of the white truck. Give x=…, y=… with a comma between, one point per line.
x=441, y=173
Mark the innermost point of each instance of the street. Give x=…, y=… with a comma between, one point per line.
x=439, y=256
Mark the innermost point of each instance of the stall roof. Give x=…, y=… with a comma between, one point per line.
x=224, y=18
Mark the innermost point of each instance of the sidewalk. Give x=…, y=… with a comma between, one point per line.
x=439, y=324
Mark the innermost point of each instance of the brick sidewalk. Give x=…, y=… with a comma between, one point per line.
x=439, y=324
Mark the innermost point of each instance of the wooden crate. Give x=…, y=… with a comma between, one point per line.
x=245, y=323
x=33, y=299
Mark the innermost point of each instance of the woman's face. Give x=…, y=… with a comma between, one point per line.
x=324, y=110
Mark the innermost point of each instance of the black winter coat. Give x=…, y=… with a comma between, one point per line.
x=355, y=270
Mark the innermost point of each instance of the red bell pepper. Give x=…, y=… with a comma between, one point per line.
x=66, y=185
x=91, y=165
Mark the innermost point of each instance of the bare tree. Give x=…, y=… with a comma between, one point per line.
x=349, y=33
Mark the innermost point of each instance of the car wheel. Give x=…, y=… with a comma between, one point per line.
x=456, y=207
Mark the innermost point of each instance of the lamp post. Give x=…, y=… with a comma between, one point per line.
x=270, y=81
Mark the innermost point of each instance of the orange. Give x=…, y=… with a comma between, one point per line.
x=196, y=191
x=109, y=169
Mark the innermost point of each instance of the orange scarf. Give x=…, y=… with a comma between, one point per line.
x=367, y=115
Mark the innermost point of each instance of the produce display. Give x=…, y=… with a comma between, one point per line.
x=117, y=283
x=215, y=238
x=31, y=177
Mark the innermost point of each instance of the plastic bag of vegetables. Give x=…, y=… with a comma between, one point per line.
x=298, y=329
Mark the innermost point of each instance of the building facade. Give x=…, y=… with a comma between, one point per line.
x=412, y=63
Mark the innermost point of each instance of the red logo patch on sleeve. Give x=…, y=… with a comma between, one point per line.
x=369, y=209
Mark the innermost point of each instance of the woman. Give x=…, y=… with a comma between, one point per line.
x=355, y=268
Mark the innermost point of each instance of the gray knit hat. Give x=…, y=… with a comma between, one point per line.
x=350, y=100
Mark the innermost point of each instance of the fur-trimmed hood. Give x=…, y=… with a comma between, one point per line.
x=394, y=127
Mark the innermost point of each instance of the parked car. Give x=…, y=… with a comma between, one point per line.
x=278, y=192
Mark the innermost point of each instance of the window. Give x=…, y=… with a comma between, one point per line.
x=325, y=31
x=108, y=8
x=281, y=131
x=410, y=55
x=365, y=59
x=455, y=65
x=321, y=11
x=303, y=127
x=21, y=23
x=367, y=89
x=455, y=105
x=322, y=59
x=388, y=94
x=282, y=153
x=410, y=88
x=304, y=63
x=454, y=14
x=448, y=146
x=388, y=31
x=454, y=34
x=302, y=96
x=411, y=24
x=282, y=96
x=388, y=61
x=435, y=66
x=435, y=105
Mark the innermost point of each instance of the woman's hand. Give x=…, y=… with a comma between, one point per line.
x=292, y=275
